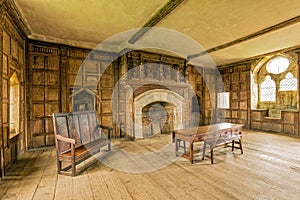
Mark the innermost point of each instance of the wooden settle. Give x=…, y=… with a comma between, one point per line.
x=78, y=136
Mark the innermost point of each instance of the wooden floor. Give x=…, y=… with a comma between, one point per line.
x=268, y=169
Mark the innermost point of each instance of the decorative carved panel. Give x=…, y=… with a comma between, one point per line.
x=83, y=101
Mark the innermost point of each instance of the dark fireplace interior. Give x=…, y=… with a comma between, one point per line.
x=157, y=118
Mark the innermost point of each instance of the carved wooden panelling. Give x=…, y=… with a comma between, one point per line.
x=53, y=94
x=151, y=57
x=106, y=81
x=235, y=114
x=243, y=105
x=243, y=86
x=244, y=115
x=244, y=76
x=44, y=50
x=75, y=65
x=256, y=116
x=38, y=78
x=107, y=120
x=243, y=95
x=53, y=63
x=4, y=88
x=37, y=126
x=5, y=112
x=288, y=118
x=52, y=78
x=235, y=87
x=78, y=53
x=106, y=107
x=21, y=56
x=106, y=94
x=75, y=80
x=235, y=105
x=37, y=62
x=38, y=110
x=38, y=94
x=14, y=49
x=256, y=125
x=6, y=43
x=267, y=126
x=235, y=77
x=289, y=129
x=228, y=114
x=234, y=95
x=44, y=88
x=5, y=64
x=51, y=108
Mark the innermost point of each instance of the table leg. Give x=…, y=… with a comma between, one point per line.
x=191, y=152
x=176, y=146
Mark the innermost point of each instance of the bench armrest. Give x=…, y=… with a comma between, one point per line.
x=68, y=140
x=107, y=128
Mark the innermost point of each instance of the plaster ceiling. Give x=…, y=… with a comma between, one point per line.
x=209, y=23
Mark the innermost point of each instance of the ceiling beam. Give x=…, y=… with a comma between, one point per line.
x=155, y=19
x=249, y=37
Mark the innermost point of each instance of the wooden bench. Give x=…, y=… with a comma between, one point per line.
x=78, y=135
x=223, y=138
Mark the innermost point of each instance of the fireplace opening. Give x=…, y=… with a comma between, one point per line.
x=157, y=118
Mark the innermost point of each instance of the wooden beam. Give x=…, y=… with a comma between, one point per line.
x=159, y=16
x=248, y=37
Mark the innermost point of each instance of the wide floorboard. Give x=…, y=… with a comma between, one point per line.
x=268, y=169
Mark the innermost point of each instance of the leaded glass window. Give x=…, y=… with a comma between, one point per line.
x=268, y=90
x=289, y=83
x=223, y=100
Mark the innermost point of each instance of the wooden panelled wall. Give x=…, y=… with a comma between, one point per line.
x=12, y=65
x=55, y=75
x=236, y=80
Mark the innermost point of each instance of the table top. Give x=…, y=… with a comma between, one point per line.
x=204, y=130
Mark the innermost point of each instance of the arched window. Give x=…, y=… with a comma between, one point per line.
x=14, y=107
x=277, y=65
x=289, y=83
x=268, y=90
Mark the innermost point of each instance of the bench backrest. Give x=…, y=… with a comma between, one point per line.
x=81, y=126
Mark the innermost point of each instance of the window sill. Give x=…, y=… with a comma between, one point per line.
x=273, y=118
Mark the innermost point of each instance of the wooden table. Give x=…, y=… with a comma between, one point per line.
x=199, y=133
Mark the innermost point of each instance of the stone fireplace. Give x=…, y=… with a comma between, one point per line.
x=157, y=111
x=151, y=109
x=153, y=96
